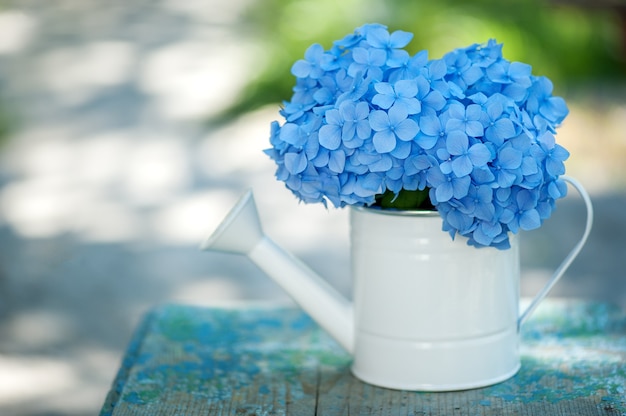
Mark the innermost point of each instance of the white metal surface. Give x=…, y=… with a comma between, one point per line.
x=429, y=313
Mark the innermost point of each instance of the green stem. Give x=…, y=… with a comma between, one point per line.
x=405, y=200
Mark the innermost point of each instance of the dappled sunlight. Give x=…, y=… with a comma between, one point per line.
x=37, y=208
x=55, y=384
x=155, y=171
x=33, y=329
x=221, y=13
x=31, y=378
x=18, y=28
x=596, y=139
x=76, y=74
x=237, y=148
x=195, y=79
x=210, y=290
x=188, y=220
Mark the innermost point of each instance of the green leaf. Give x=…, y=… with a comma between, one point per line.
x=405, y=200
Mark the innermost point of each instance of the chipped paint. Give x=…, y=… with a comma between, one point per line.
x=217, y=357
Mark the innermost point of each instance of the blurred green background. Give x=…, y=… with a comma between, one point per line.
x=577, y=44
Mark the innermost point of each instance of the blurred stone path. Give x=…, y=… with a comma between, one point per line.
x=110, y=181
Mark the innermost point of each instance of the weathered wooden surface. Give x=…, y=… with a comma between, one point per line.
x=195, y=361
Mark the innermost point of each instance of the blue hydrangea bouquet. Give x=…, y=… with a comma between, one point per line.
x=470, y=135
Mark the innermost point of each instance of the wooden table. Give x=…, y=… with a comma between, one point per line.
x=188, y=360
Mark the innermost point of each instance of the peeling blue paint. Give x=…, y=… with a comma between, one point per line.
x=213, y=355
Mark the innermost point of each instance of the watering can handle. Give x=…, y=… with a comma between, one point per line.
x=570, y=257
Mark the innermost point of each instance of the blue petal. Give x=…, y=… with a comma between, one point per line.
x=323, y=96
x=483, y=175
x=520, y=71
x=497, y=73
x=456, y=143
x=409, y=105
x=479, y=154
x=425, y=141
x=402, y=150
x=435, y=177
x=505, y=179
x=291, y=134
x=399, y=39
x=481, y=237
x=384, y=101
x=333, y=116
x=472, y=75
x=314, y=52
x=491, y=229
x=461, y=186
x=510, y=158
x=347, y=111
x=347, y=131
x=407, y=129
x=384, y=88
x=474, y=129
x=459, y=220
x=435, y=100
x=377, y=57
x=515, y=91
x=547, y=140
x=295, y=162
x=362, y=110
x=330, y=136
x=337, y=161
x=526, y=199
x=462, y=166
x=473, y=112
x=554, y=167
x=446, y=167
x=478, y=98
x=360, y=55
x=557, y=189
x=301, y=69
x=455, y=124
x=444, y=192
x=378, y=37
x=529, y=166
x=504, y=128
x=485, y=212
x=456, y=90
x=554, y=109
x=397, y=115
x=457, y=111
x=559, y=153
x=321, y=159
x=494, y=110
x=368, y=185
x=384, y=141
x=530, y=220
x=406, y=88
x=437, y=69
x=418, y=163
x=397, y=58
x=363, y=129
x=382, y=165
x=430, y=125
x=379, y=120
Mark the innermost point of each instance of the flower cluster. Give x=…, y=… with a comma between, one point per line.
x=473, y=129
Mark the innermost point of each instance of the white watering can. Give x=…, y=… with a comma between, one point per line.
x=429, y=313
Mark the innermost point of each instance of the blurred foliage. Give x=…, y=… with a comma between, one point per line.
x=7, y=121
x=569, y=44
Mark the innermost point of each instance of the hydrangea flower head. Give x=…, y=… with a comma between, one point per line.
x=472, y=130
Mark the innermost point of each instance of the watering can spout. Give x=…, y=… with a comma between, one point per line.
x=241, y=233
